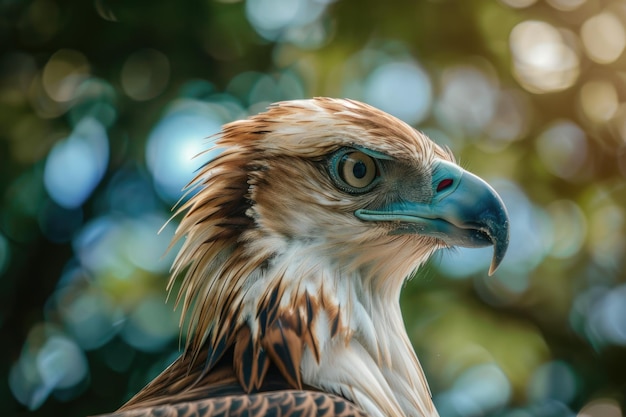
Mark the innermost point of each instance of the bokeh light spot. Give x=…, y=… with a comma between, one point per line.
x=89, y=316
x=599, y=100
x=519, y=4
x=478, y=391
x=125, y=255
x=602, y=407
x=468, y=99
x=175, y=142
x=569, y=227
x=402, y=89
x=76, y=165
x=566, y=5
x=542, y=61
x=150, y=325
x=130, y=192
x=145, y=246
x=271, y=18
x=604, y=37
x=95, y=244
x=510, y=120
x=61, y=363
x=563, y=148
x=242, y=84
x=95, y=98
x=64, y=72
x=606, y=323
x=607, y=242
x=264, y=91
x=145, y=74
x=50, y=361
x=550, y=408
x=554, y=380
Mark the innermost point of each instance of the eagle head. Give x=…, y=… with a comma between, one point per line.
x=299, y=238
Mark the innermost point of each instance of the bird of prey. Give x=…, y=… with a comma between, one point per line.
x=295, y=248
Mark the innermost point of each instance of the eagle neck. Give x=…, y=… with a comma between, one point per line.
x=347, y=338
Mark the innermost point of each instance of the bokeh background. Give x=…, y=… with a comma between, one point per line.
x=103, y=104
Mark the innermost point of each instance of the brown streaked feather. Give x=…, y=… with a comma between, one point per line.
x=284, y=344
x=186, y=380
x=252, y=362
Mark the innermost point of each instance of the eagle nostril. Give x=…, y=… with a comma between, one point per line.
x=443, y=184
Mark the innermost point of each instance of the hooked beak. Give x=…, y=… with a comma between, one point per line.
x=464, y=211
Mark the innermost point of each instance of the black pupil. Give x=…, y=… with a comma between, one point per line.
x=359, y=170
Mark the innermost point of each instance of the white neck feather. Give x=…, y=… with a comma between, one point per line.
x=369, y=360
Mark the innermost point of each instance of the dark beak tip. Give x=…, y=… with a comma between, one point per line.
x=498, y=256
x=500, y=247
x=493, y=267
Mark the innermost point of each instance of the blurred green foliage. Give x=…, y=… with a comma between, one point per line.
x=103, y=102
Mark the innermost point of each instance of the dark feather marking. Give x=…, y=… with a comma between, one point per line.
x=203, y=409
x=262, y=317
x=311, y=341
x=273, y=298
x=236, y=224
x=335, y=325
x=262, y=365
x=309, y=307
x=160, y=412
x=286, y=407
x=268, y=309
x=243, y=358
x=319, y=401
x=285, y=348
x=299, y=401
x=273, y=306
x=215, y=354
x=250, y=362
x=298, y=324
x=237, y=404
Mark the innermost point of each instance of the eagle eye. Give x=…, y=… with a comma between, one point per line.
x=354, y=171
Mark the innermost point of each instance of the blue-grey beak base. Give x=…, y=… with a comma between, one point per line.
x=464, y=211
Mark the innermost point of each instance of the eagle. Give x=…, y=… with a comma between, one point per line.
x=296, y=244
